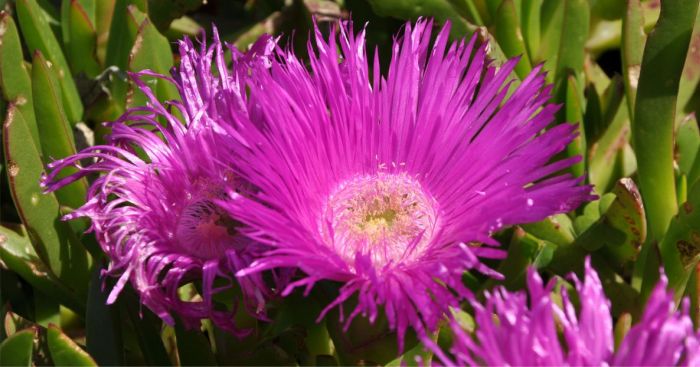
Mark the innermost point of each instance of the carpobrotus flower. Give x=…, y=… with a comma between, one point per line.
x=512, y=331
x=383, y=183
x=155, y=209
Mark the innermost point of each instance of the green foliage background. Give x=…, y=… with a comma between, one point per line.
x=626, y=71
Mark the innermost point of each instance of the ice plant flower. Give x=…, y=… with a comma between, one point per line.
x=384, y=182
x=519, y=329
x=155, y=209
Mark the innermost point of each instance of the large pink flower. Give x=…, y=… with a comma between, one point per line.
x=383, y=182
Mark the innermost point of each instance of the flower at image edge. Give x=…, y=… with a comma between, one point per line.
x=519, y=329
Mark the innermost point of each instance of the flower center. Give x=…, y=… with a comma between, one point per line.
x=388, y=216
x=206, y=231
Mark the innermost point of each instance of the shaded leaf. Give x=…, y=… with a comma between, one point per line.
x=103, y=332
x=17, y=253
x=441, y=10
x=162, y=13
x=193, y=348
x=147, y=328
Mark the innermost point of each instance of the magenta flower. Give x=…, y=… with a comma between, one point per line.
x=155, y=209
x=512, y=331
x=382, y=182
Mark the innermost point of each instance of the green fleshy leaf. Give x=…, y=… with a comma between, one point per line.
x=151, y=51
x=56, y=135
x=64, y=351
x=625, y=213
x=104, y=10
x=622, y=326
x=605, y=165
x=609, y=10
x=556, y=229
x=53, y=239
x=552, y=18
x=574, y=32
x=17, y=349
x=653, y=126
x=687, y=144
x=654, y=117
x=694, y=173
x=183, y=27
x=680, y=248
x=525, y=250
x=506, y=30
x=52, y=16
x=122, y=35
x=15, y=83
x=620, y=229
x=689, y=86
x=632, y=49
x=38, y=36
x=530, y=21
x=17, y=253
x=82, y=47
x=604, y=35
x=416, y=356
x=573, y=111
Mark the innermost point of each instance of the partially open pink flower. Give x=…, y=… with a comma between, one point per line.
x=519, y=329
x=382, y=182
x=155, y=208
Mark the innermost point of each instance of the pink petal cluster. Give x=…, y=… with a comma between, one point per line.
x=156, y=206
x=519, y=329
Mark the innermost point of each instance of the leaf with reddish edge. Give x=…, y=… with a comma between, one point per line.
x=64, y=351
x=53, y=240
x=17, y=349
x=15, y=83
x=680, y=248
x=38, y=36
